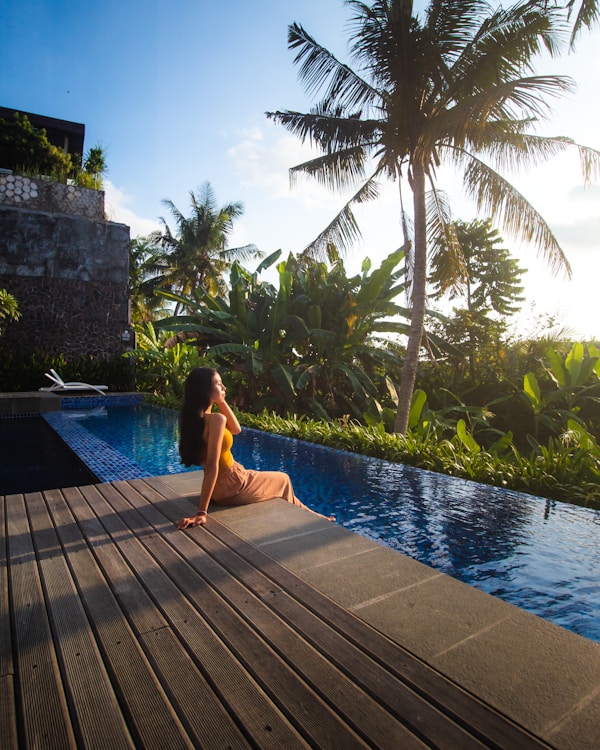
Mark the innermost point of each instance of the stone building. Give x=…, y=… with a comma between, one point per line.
x=68, y=268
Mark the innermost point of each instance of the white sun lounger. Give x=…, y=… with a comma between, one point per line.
x=58, y=384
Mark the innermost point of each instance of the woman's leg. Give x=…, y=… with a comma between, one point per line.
x=240, y=486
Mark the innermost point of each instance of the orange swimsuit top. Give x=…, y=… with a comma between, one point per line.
x=226, y=457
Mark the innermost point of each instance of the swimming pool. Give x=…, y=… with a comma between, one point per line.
x=33, y=457
x=541, y=555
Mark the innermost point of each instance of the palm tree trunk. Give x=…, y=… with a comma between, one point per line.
x=413, y=348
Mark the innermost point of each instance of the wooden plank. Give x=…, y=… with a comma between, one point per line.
x=97, y=717
x=480, y=720
x=42, y=702
x=143, y=714
x=8, y=718
x=139, y=640
x=294, y=656
x=267, y=727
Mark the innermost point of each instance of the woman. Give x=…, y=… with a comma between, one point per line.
x=206, y=438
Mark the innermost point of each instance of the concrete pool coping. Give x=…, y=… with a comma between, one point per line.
x=28, y=403
x=539, y=674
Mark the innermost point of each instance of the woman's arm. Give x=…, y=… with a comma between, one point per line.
x=232, y=422
x=215, y=427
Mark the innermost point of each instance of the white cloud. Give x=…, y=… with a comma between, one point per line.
x=263, y=157
x=116, y=210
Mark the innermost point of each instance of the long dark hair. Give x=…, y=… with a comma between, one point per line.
x=196, y=399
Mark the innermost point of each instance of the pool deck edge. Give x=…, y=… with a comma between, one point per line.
x=540, y=675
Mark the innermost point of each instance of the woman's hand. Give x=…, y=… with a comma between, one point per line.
x=198, y=520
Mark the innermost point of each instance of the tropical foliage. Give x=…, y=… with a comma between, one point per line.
x=89, y=171
x=161, y=369
x=454, y=86
x=195, y=255
x=568, y=396
x=321, y=342
x=487, y=294
x=9, y=308
x=26, y=149
x=566, y=468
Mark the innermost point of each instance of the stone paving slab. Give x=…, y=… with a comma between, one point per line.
x=28, y=402
x=539, y=674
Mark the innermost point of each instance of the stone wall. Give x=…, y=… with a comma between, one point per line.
x=69, y=275
x=37, y=194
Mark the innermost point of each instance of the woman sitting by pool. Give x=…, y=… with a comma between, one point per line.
x=206, y=438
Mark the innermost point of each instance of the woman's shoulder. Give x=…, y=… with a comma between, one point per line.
x=215, y=418
x=214, y=422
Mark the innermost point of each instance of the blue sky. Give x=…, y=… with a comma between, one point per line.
x=176, y=94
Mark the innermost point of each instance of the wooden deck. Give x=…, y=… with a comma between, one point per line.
x=119, y=631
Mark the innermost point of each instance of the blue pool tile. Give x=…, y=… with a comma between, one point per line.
x=107, y=463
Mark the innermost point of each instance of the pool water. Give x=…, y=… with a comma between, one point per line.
x=541, y=555
x=33, y=458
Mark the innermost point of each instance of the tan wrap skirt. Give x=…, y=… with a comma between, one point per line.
x=241, y=486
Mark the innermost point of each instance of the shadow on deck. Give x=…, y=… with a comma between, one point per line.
x=118, y=630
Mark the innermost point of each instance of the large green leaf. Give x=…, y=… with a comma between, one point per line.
x=466, y=438
x=268, y=261
x=532, y=390
x=419, y=399
x=283, y=379
x=371, y=289
x=574, y=362
x=557, y=370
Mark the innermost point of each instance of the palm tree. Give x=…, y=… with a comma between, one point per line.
x=587, y=15
x=197, y=253
x=454, y=87
x=146, y=269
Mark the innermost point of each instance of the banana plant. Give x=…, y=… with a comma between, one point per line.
x=287, y=347
x=576, y=379
x=319, y=342
x=162, y=361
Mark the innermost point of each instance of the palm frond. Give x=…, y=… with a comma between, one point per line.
x=505, y=45
x=452, y=31
x=497, y=198
x=337, y=171
x=343, y=230
x=243, y=253
x=519, y=102
x=330, y=129
x=513, y=150
x=587, y=15
x=320, y=69
x=590, y=163
x=448, y=267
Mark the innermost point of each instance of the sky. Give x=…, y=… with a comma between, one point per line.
x=175, y=91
